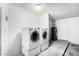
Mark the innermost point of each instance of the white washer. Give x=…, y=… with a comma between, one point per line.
x=30, y=41
x=44, y=37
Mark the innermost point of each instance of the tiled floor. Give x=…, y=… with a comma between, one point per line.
x=57, y=48
x=73, y=50
x=18, y=54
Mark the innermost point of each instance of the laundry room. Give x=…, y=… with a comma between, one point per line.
x=17, y=19
x=39, y=29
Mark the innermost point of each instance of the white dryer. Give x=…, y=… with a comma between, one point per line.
x=30, y=41
x=44, y=37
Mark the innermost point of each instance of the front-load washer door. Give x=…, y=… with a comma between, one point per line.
x=44, y=35
x=34, y=36
x=34, y=40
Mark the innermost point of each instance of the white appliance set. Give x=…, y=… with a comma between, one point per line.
x=34, y=40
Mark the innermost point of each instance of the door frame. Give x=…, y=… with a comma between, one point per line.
x=1, y=6
x=3, y=28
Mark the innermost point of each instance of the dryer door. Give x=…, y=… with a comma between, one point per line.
x=34, y=36
x=44, y=35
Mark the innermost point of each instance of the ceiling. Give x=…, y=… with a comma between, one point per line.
x=56, y=10
x=30, y=7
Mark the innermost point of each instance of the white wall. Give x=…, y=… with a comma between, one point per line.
x=74, y=30
x=68, y=29
x=62, y=29
x=17, y=19
x=44, y=20
x=50, y=23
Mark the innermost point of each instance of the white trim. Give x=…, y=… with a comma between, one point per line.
x=1, y=26
x=3, y=30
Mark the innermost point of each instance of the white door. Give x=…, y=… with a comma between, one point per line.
x=62, y=29
x=74, y=30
